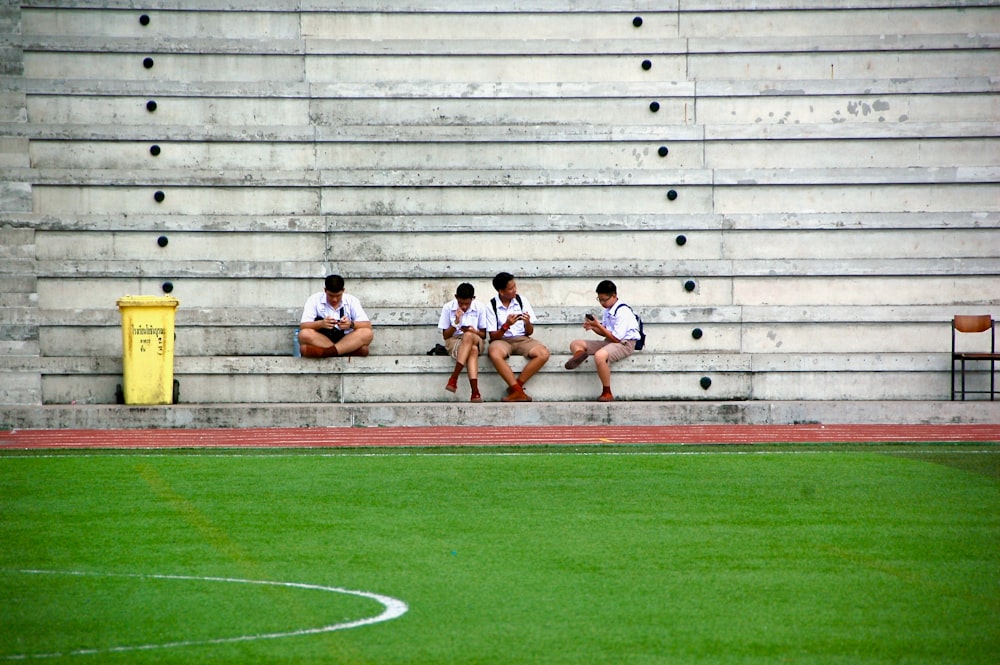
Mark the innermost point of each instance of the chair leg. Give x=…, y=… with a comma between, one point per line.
x=953, y=379
x=963, y=379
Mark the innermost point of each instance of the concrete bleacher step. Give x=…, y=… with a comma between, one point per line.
x=150, y=222
x=401, y=379
x=496, y=414
x=763, y=353
x=477, y=19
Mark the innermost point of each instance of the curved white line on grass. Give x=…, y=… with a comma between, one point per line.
x=394, y=609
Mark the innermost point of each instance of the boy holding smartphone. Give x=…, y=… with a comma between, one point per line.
x=463, y=327
x=334, y=323
x=511, y=322
x=619, y=331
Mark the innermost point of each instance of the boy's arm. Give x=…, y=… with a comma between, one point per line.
x=309, y=314
x=529, y=318
x=598, y=328
x=446, y=324
x=493, y=328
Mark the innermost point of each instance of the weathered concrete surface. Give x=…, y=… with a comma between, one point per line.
x=493, y=414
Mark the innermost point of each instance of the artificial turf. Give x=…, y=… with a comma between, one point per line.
x=823, y=554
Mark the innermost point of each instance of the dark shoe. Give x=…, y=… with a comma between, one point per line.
x=476, y=397
x=575, y=361
x=517, y=395
x=452, y=385
x=606, y=397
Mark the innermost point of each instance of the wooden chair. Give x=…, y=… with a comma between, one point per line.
x=974, y=324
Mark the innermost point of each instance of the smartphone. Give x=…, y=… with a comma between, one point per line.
x=590, y=317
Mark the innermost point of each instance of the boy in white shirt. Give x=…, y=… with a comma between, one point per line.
x=334, y=323
x=463, y=327
x=619, y=330
x=511, y=322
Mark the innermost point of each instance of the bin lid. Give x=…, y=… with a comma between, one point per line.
x=148, y=301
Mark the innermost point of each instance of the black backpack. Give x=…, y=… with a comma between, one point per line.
x=641, y=342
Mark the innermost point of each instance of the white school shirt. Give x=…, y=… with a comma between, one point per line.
x=621, y=321
x=475, y=317
x=317, y=306
x=516, y=330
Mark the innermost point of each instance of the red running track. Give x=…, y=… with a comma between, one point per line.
x=355, y=437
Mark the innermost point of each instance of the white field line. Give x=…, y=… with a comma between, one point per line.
x=393, y=609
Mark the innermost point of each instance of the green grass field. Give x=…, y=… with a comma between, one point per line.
x=619, y=555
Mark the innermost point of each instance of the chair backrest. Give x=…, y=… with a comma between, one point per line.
x=973, y=323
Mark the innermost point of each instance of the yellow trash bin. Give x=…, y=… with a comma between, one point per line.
x=148, y=349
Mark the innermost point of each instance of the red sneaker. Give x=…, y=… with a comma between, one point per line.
x=476, y=397
x=517, y=395
x=606, y=397
x=452, y=385
x=576, y=360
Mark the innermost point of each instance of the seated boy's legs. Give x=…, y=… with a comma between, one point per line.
x=536, y=353
x=333, y=342
x=317, y=343
x=615, y=351
x=603, y=357
x=499, y=350
x=453, y=345
x=356, y=342
x=592, y=346
x=468, y=352
x=465, y=350
x=581, y=348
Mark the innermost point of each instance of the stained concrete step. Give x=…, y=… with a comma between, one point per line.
x=644, y=377
x=494, y=414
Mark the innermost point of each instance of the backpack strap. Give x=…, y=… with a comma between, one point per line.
x=638, y=319
x=496, y=314
x=620, y=305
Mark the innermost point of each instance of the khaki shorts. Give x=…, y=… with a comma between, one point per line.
x=517, y=346
x=455, y=341
x=616, y=350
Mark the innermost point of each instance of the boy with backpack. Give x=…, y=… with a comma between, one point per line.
x=620, y=331
x=510, y=321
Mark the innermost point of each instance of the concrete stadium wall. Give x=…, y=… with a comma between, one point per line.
x=797, y=200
